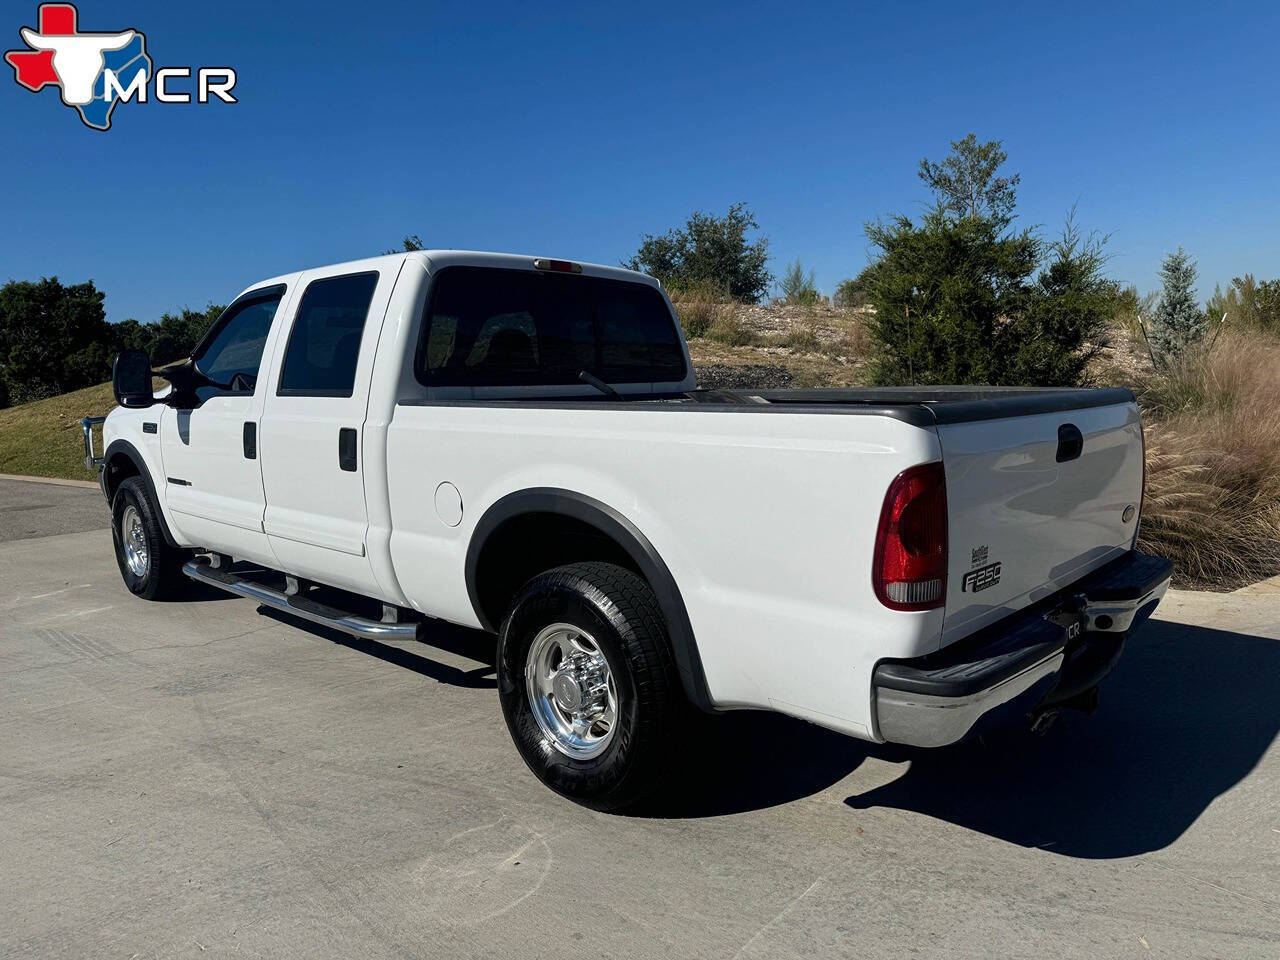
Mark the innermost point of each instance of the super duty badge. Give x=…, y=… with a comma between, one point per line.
x=975, y=581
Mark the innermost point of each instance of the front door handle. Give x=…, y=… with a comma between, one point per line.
x=250, y=440
x=347, y=449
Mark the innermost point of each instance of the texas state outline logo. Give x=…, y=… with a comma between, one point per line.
x=95, y=71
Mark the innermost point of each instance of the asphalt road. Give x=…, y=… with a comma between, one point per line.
x=197, y=779
x=43, y=509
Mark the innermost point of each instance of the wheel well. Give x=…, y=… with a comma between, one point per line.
x=528, y=544
x=119, y=468
x=529, y=531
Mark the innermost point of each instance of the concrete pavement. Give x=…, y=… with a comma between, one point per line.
x=198, y=779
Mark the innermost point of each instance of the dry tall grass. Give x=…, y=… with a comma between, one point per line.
x=1213, y=461
x=702, y=308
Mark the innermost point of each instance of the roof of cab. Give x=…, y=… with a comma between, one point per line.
x=437, y=259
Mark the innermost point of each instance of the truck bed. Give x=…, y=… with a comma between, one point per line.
x=936, y=405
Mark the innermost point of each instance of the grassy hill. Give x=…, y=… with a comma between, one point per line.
x=43, y=439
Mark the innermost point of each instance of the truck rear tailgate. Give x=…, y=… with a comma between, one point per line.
x=1034, y=503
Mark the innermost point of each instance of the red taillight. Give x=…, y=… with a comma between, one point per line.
x=910, y=567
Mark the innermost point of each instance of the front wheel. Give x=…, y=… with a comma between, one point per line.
x=587, y=684
x=149, y=566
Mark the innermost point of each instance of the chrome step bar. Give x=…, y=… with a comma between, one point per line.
x=299, y=606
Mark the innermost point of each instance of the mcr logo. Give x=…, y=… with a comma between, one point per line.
x=95, y=71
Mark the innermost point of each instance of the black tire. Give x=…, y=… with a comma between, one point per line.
x=619, y=611
x=162, y=579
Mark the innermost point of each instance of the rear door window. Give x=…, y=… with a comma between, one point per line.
x=324, y=344
x=495, y=327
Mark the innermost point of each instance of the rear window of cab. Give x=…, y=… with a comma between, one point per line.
x=487, y=326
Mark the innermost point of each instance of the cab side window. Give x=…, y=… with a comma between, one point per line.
x=324, y=345
x=232, y=352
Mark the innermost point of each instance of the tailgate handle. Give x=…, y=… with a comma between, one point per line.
x=1070, y=442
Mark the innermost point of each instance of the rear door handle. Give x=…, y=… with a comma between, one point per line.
x=347, y=449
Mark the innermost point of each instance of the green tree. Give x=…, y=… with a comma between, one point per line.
x=798, y=287
x=941, y=291
x=1068, y=314
x=410, y=243
x=962, y=298
x=53, y=338
x=710, y=250
x=1179, y=320
x=966, y=182
x=170, y=338
x=850, y=294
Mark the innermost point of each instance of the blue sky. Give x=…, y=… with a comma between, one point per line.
x=569, y=130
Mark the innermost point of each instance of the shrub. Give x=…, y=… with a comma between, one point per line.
x=710, y=249
x=802, y=337
x=963, y=298
x=853, y=340
x=959, y=301
x=1247, y=302
x=850, y=294
x=729, y=329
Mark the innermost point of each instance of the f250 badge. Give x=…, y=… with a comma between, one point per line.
x=975, y=581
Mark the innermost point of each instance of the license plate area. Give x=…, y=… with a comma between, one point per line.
x=1070, y=618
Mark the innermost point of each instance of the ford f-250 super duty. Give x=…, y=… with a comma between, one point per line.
x=518, y=444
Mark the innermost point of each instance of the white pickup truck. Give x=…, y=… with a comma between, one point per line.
x=518, y=445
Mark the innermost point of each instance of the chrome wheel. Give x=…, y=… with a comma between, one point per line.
x=571, y=690
x=134, y=540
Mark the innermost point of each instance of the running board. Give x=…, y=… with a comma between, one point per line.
x=300, y=606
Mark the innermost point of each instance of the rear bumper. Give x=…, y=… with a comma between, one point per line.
x=1052, y=653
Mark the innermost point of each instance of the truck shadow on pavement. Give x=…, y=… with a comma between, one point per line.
x=472, y=644
x=1186, y=715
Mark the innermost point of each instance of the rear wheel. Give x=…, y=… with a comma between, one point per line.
x=587, y=683
x=149, y=566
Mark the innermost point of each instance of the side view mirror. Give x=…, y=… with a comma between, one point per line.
x=131, y=379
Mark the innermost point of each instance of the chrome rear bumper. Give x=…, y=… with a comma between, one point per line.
x=926, y=720
x=1057, y=652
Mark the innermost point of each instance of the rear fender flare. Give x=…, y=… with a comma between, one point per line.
x=623, y=532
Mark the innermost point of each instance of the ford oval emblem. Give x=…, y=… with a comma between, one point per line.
x=1129, y=511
